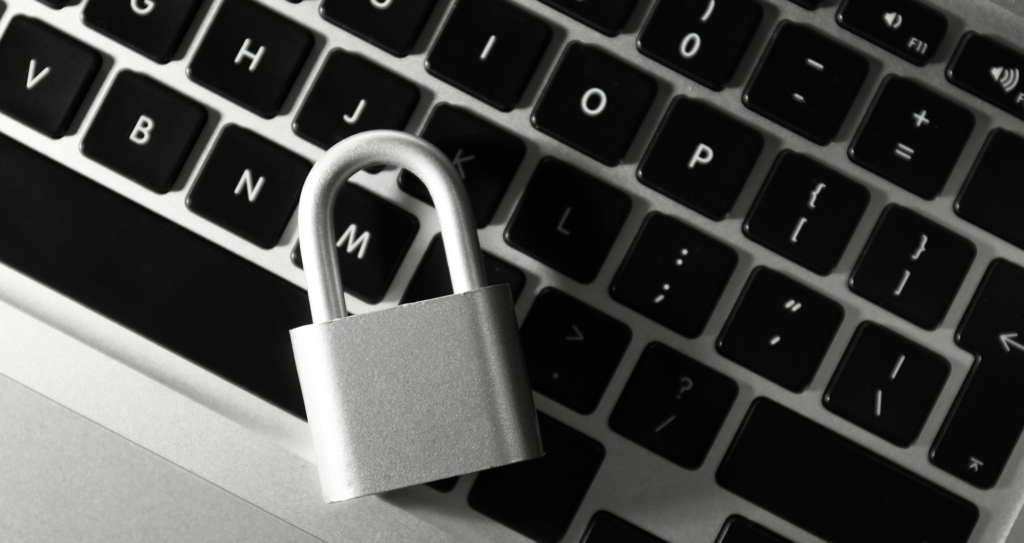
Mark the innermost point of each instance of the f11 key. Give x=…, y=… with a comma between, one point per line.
x=986, y=421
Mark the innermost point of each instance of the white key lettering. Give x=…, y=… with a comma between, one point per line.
x=142, y=131
x=33, y=77
x=708, y=11
x=254, y=57
x=702, y=155
x=252, y=189
x=142, y=7
x=487, y=48
x=381, y=4
x=690, y=45
x=353, y=117
x=814, y=194
x=602, y=101
x=353, y=242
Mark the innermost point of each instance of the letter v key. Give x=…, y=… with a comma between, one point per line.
x=33, y=77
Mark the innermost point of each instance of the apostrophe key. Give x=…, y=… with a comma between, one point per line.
x=912, y=267
x=833, y=488
x=571, y=349
x=433, y=280
x=539, y=498
x=594, y=103
x=992, y=194
x=154, y=28
x=700, y=157
x=886, y=384
x=489, y=49
x=249, y=185
x=740, y=530
x=905, y=28
x=352, y=95
x=806, y=82
x=990, y=71
x=44, y=75
x=392, y=25
x=251, y=55
x=373, y=237
x=486, y=157
x=673, y=274
x=912, y=136
x=673, y=406
x=701, y=39
x=567, y=219
x=606, y=16
x=985, y=423
x=806, y=212
x=607, y=528
x=144, y=131
x=780, y=329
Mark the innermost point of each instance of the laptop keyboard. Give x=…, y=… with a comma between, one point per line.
x=775, y=303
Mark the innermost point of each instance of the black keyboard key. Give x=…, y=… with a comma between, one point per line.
x=489, y=49
x=912, y=136
x=249, y=185
x=251, y=55
x=594, y=103
x=539, y=498
x=154, y=28
x=485, y=156
x=806, y=82
x=373, y=237
x=990, y=71
x=567, y=219
x=806, y=212
x=985, y=423
x=990, y=197
x=673, y=274
x=780, y=329
x=391, y=25
x=607, y=528
x=905, y=28
x=144, y=131
x=886, y=384
x=606, y=16
x=701, y=39
x=154, y=277
x=571, y=349
x=433, y=279
x=740, y=530
x=836, y=489
x=353, y=95
x=673, y=406
x=700, y=157
x=912, y=267
x=44, y=75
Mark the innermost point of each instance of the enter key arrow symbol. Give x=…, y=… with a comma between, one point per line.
x=1007, y=340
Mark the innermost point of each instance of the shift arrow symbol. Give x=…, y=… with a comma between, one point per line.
x=1007, y=341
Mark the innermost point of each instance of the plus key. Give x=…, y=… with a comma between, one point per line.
x=982, y=429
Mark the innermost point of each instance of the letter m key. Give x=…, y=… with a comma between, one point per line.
x=353, y=242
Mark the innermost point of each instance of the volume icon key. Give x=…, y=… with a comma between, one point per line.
x=1007, y=77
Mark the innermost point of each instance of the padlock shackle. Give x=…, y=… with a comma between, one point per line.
x=391, y=148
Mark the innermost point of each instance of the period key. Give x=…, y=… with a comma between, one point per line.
x=986, y=421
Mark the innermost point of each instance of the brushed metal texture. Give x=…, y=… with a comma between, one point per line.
x=416, y=393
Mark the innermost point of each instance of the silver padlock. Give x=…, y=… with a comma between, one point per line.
x=418, y=392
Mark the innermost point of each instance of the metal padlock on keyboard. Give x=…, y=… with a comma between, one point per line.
x=418, y=392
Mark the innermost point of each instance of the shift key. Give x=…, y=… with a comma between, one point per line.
x=983, y=427
x=990, y=71
x=834, y=488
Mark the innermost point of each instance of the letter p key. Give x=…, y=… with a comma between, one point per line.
x=701, y=155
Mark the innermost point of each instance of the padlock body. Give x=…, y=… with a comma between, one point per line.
x=416, y=393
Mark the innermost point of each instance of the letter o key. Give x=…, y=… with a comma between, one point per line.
x=142, y=7
x=602, y=101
